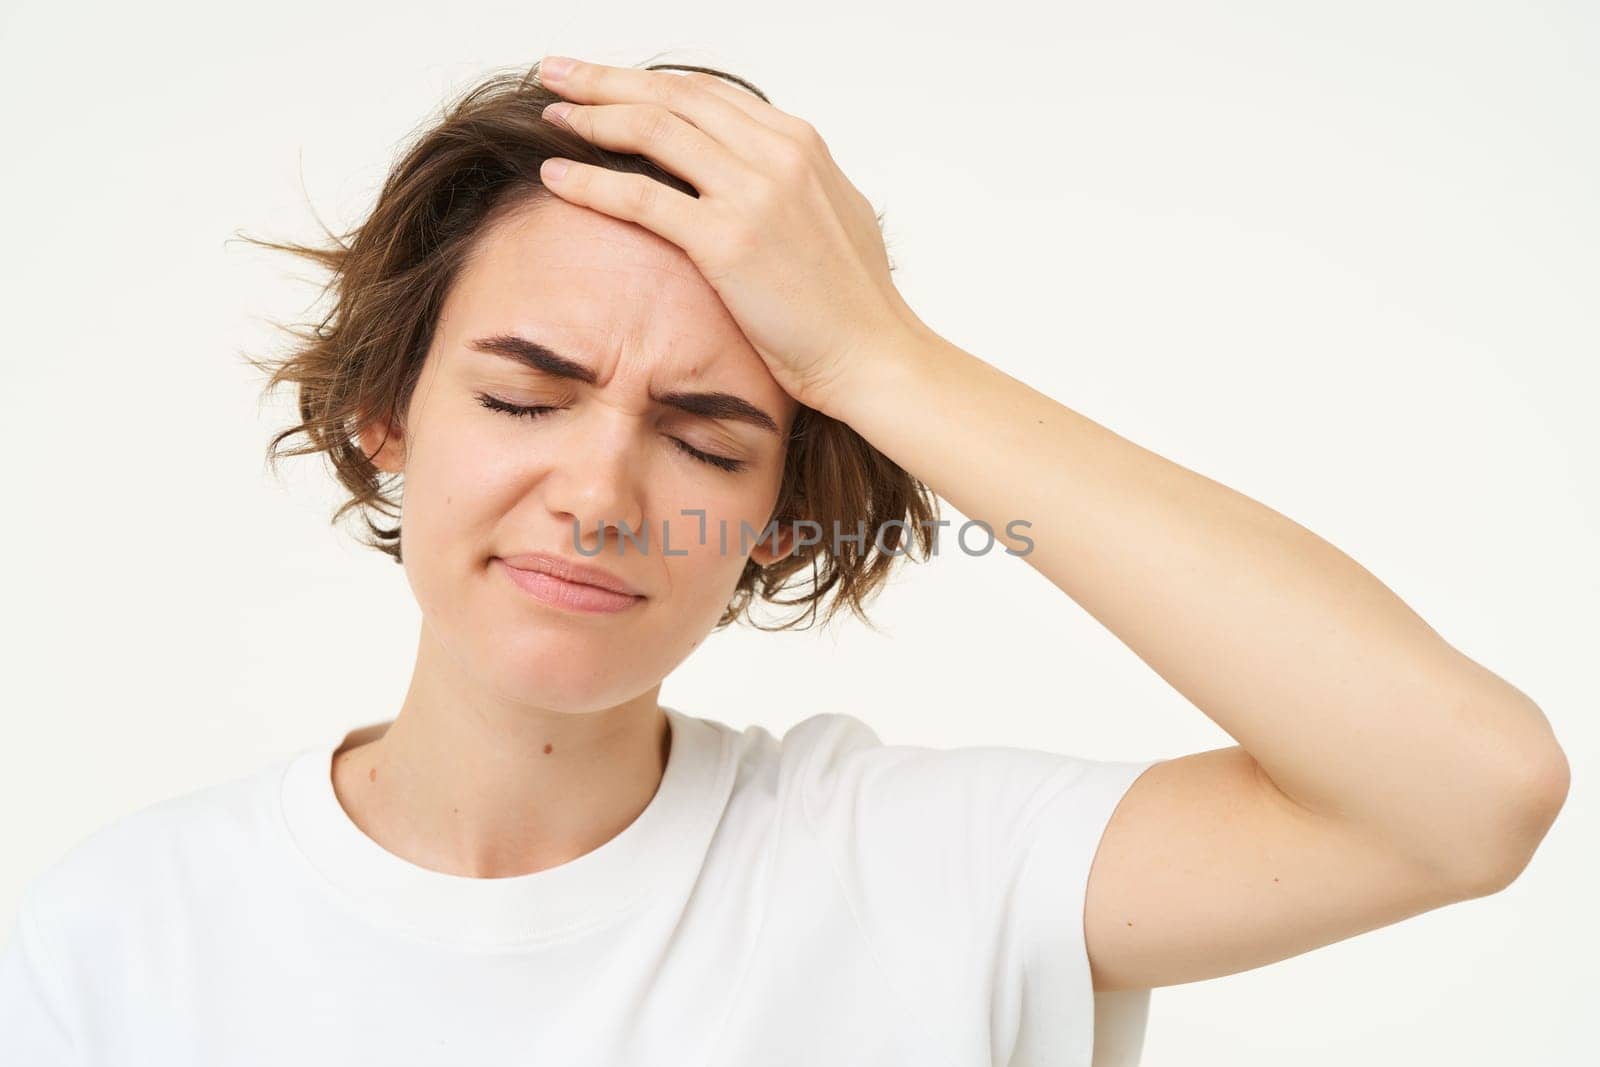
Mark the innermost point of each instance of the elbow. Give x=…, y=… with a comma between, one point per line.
x=1534, y=791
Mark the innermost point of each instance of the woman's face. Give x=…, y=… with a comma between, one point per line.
x=630, y=310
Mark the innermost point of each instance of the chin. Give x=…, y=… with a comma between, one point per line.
x=565, y=699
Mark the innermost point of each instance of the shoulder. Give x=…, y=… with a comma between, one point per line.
x=158, y=854
x=836, y=761
x=783, y=758
x=911, y=807
x=820, y=743
x=965, y=867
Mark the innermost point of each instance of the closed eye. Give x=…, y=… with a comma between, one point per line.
x=533, y=411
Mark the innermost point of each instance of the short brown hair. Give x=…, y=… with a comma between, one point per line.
x=390, y=276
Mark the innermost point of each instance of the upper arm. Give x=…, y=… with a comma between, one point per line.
x=1206, y=868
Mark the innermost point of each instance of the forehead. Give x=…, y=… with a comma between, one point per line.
x=610, y=285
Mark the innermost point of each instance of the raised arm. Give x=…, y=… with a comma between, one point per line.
x=1379, y=771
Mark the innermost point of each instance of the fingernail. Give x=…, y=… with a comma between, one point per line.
x=553, y=169
x=554, y=67
x=556, y=111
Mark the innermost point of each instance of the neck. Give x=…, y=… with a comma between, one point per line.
x=466, y=783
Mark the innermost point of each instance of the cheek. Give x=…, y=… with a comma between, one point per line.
x=717, y=525
x=450, y=496
x=708, y=553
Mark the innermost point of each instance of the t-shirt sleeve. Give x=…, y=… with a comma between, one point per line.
x=967, y=869
x=1046, y=913
x=35, y=1025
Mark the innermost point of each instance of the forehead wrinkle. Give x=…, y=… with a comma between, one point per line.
x=603, y=267
x=539, y=240
x=579, y=262
x=638, y=245
x=684, y=376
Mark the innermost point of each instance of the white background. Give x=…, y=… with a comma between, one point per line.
x=1339, y=256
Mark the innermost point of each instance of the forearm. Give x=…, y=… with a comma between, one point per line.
x=1350, y=703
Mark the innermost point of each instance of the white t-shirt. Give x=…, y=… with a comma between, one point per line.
x=821, y=899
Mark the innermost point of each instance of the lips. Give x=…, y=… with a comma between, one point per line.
x=568, y=596
x=571, y=571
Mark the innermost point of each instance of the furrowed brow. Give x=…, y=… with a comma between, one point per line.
x=534, y=356
x=721, y=406
x=538, y=357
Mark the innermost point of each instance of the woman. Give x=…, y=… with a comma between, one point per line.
x=663, y=316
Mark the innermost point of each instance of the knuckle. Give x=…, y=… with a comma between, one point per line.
x=701, y=80
x=677, y=90
x=807, y=135
x=652, y=124
x=645, y=196
x=792, y=160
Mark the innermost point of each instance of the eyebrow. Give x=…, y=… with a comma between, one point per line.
x=535, y=356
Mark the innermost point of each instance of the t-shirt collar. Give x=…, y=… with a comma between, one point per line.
x=656, y=853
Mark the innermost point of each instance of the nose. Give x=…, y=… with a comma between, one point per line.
x=593, y=484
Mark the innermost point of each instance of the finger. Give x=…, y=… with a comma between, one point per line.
x=664, y=136
x=632, y=197
x=690, y=97
x=749, y=100
x=746, y=100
